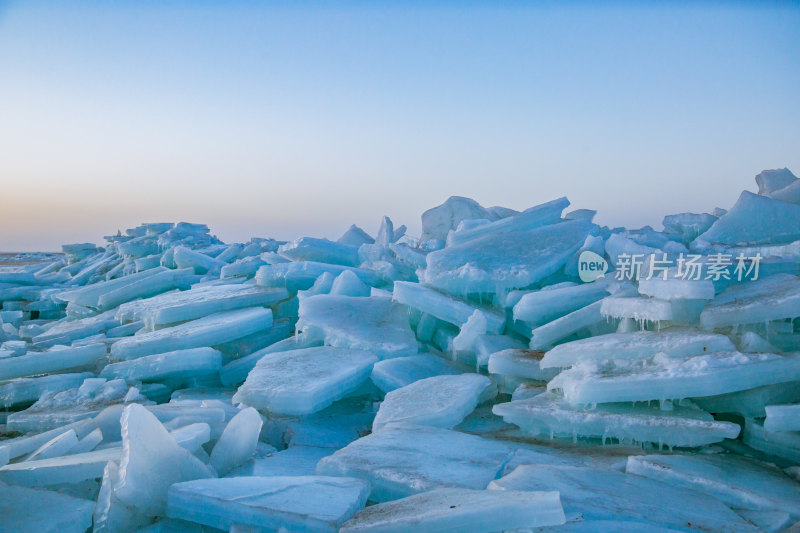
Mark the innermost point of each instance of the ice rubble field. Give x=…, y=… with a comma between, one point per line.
x=468, y=380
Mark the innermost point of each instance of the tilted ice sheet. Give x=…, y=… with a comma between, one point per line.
x=441, y=401
x=543, y=306
x=497, y=261
x=460, y=510
x=737, y=481
x=635, y=345
x=42, y=511
x=661, y=377
x=754, y=302
x=301, y=275
x=782, y=418
x=207, y=331
x=442, y=306
x=178, y=364
x=547, y=414
x=299, y=382
x=362, y=323
x=751, y=403
x=401, y=460
x=293, y=503
x=521, y=363
x=391, y=374
x=57, y=359
x=238, y=442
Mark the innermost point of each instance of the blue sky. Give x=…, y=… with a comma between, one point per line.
x=284, y=120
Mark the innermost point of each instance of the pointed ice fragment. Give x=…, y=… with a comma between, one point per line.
x=238, y=442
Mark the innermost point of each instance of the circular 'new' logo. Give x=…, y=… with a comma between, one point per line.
x=591, y=266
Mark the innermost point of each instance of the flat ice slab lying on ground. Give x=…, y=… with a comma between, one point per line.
x=460, y=510
x=297, y=503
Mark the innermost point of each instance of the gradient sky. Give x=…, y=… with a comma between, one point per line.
x=298, y=119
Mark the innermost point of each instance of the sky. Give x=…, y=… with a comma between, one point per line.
x=290, y=119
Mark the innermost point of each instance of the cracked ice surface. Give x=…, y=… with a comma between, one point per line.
x=465, y=380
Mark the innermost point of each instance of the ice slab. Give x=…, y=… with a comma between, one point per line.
x=176, y=365
x=147, y=287
x=460, y=510
x=636, y=345
x=782, y=418
x=355, y=236
x=57, y=359
x=440, y=401
x=438, y=221
x=790, y=193
x=207, y=331
x=304, y=381
x=66, y=330
x=22, y=391
x=677, y=288
x=321, y=250
x=589, y=494
x=755, y=302
x=752, y=220
x=661, y=377
x=534, y=217
x=769, y=181
x=238, y=442
x=496, y=262
x=201, y=263
x=547, y=414
x=547, y=335
x=442, y=306
x=348, y=284
x=301, y=275
x=69, y=469
x=783, y=444
x=56, y=447
x=401, y=460
x=236, y=371
x=42, y=511
x=739, y=482
x=151, y=461
x=543, y=306
x=293, y=503
x=293, y=461
x=391, y=374
x=522, y=364
x=752, y=403
x=374, y=324
x=201, y=301
x=642, y=309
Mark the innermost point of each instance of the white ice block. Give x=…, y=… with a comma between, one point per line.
x=636, y=345
x=460, y=510
x=305, y=381
x=662, y=378
x=301, y=275
x=548, y=334
x=207, y=331
x=178, y=364
x=401, y=460
x=56, y=447
x=498, y=262
x=737, y=481
x=69, y=469
x=52, y=361
x=238, y=442
x=391, y=374
x=440, y=401
x=548, y=415
x=236, y=371
x=442, y=306
x=201, y=263
x=543, y=306
x=151, y=461
x=147, y=287
x=293, y=503
x=322, y=250
x=374, y=324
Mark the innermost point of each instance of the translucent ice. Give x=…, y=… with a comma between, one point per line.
x=782, y=418
x=24, y=509
x=375, y=324
x=298, y=382
x=207, y=331
x=391, y=374
x=57, y=359
x=460, y=510
x=547, y=414
x=441, y=401
x=496, y=261
x=442, y=306
x=672, y=343
x=178, y=364
x=238, y=442
x=541, y=307
x=401, y=460
x=522, y=364
x=661, y=377
x=293, y=503
x=759, y=301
